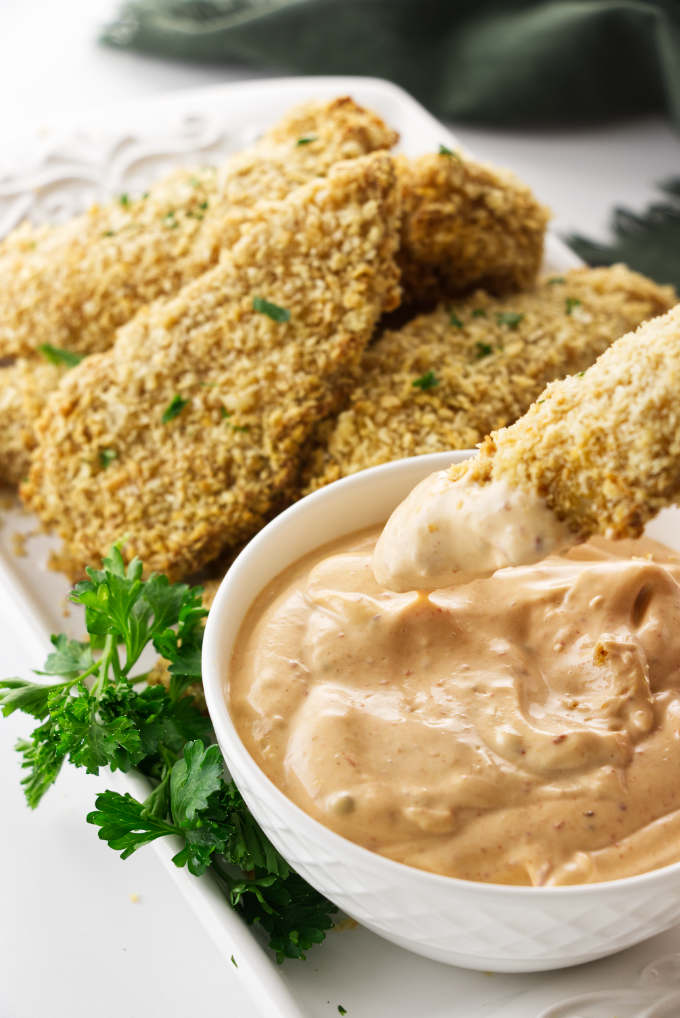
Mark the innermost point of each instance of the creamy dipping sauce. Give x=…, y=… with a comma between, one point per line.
x=523, y=728
x=446, y=530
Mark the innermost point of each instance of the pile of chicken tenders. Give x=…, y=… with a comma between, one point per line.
x=179, y=366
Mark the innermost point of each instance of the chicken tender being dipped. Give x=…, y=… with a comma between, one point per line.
x=598, y=453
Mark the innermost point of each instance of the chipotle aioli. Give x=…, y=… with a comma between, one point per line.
x=522, y=728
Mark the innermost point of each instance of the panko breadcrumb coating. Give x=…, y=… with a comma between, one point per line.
x=205, y=402
x=602, y=449
x=466, y=225
x=479, y=363
x=73, y=285
x=24, y=388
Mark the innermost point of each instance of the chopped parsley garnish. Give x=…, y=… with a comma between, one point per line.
x=307, y=139
x=234, y=962
x=64, y=358
x=225, y=414
x=427, y=381
x=571, y=303
x=145, y=195
x=174, y=408
x=109, y=233
x=341, y=1009
x=509, y=318
x=97, y=712
x=556, y=279
x=170, y=219
x=455, y=320
x=483, y=350
x=124, y=200
x=107, y=456
x=444, y=151
x=265, y=307
x=240, y=427
x=479, y=313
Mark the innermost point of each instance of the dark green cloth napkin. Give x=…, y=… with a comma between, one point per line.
x=502, y=62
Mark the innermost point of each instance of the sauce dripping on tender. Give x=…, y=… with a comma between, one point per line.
x=450, y=531
x=523, y=728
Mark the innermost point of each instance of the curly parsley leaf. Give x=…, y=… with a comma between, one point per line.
x=69, y=657
x=29, y=697
x=194, y=778
x=135, y=613
x=125, y=824
x=99, y=715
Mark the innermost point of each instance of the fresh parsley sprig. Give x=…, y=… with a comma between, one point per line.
x=101, y=713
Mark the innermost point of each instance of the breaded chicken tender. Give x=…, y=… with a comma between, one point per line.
x=466, y=225
x=24, y=388
x=602, y=450
x=74, y=284
x=184, y=435
x=447, y=378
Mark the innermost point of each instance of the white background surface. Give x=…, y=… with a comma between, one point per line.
x=72, y=943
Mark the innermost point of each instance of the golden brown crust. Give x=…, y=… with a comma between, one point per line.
x=184, y=489
x=73, y=285
x=466, y=225
x=603, y=448
x=488, y=372
x=24, y=388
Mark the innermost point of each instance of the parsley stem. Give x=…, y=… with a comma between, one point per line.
x=155, y=804
x=103, y=663
x=80, y=678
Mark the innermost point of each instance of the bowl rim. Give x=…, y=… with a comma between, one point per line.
x=228, y=735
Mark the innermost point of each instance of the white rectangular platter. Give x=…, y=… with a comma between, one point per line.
x=55, y=170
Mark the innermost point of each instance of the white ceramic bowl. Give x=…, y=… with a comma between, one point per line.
x=479, y=926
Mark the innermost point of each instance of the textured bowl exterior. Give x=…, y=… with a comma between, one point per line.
x=474, y=925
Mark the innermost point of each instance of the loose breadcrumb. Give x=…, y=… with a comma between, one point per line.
x=602, y=448
x=466, y=225
x=74, y=284
x=18, y=543
x=447, y=378
x=185, y=484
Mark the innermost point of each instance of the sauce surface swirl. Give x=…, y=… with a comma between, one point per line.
x=522, y=728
